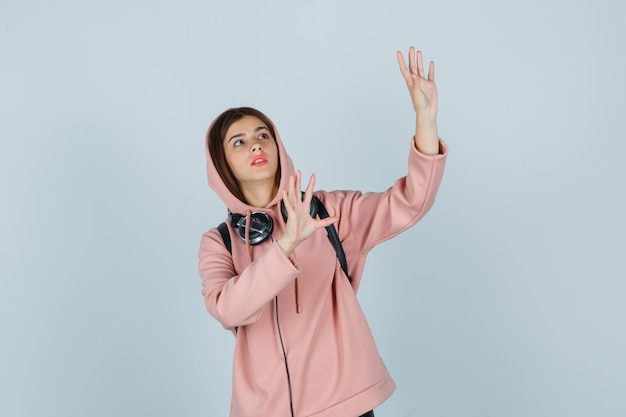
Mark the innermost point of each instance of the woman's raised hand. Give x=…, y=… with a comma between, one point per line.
x=300, y=225
x=423, y=93
x=422, y=88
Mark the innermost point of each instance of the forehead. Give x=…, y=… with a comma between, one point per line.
x=245, y=125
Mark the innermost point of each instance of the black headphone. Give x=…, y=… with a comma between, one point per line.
x=261, y=223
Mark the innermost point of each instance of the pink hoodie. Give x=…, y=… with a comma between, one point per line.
x=322, y=361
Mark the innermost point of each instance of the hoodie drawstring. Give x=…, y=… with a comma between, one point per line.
x=249, y=250
x=247, y=234
x=298, y=308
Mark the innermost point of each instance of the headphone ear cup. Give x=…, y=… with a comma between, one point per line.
x=234, y=218
x=312, y=211
x=261, y=226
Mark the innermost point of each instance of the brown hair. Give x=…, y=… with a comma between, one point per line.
x=216, y=136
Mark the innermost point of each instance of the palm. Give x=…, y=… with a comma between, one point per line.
x=422, y=88
x=426, y=98
x=300, y=225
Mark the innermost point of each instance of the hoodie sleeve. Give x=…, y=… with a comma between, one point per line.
x=237, y=300
x=376, y=217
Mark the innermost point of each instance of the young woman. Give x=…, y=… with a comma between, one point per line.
x=303, y=346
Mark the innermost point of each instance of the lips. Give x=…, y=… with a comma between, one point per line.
x=259, y=161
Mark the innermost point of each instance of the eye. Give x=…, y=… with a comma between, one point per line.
x=263, y=136
x=238, y=142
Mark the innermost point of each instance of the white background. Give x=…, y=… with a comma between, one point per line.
x=506, y=300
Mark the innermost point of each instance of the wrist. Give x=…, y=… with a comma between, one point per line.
x=285, y=246
x=425, y=121
x=427, y=137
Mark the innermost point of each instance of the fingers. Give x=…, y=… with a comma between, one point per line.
x=287, y=203
x=294, y=195
x=288, y=195
x=403, y=68
x=298, y=186
x=415, y=69
x=412, y=66
x=290, y=190
x=420, y=64
x=294, y=187
x=308, y=193
x=326, y=222
x=431, y=71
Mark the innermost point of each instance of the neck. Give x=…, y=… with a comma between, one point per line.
x=259, y=195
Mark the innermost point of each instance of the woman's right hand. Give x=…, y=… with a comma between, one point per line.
x=300, y=225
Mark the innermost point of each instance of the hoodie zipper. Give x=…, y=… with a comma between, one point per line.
x=282, y=344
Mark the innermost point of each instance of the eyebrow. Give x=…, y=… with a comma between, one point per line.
x=243, y=134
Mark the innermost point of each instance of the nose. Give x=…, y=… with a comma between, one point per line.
x=256, y=146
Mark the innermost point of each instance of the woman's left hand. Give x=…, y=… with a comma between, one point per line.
x=422, y=89
x=424, y=97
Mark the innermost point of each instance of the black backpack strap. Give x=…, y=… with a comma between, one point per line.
x=223, y=229
x=333, y=236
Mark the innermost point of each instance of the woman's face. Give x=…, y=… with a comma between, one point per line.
x=251, y=152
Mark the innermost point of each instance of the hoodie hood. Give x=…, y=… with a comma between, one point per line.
x=233, y=203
